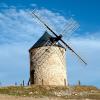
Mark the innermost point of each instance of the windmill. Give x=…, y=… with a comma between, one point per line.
x=47, y=56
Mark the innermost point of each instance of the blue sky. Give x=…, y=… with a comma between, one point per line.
x=18, y=32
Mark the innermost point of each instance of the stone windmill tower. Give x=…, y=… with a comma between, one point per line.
x=47, y=57
x=47, y=66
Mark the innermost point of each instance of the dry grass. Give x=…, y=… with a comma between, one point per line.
x=31, y=90
x=73, y=92
x=8, y=97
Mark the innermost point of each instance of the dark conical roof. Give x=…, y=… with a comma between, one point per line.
x=43, y=39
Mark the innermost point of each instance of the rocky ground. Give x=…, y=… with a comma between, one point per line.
x=49, y=93
x=9, y=97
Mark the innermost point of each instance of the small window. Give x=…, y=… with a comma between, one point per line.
x=31, y=63
x=31, y=53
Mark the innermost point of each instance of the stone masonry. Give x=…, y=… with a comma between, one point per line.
x=48, y=66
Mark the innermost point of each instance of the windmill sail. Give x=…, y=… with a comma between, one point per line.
x=58, y=37
x=70, y=26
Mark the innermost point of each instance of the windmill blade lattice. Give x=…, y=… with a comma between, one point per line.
x=73, y=26
x=70, y=27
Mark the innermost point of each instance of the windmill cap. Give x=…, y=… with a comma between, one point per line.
x=43, y=39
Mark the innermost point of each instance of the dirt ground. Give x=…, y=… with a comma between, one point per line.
x=7, y=97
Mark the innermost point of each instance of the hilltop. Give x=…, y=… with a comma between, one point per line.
x=36, y=91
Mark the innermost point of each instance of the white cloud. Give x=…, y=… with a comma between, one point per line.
x=18, y=25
